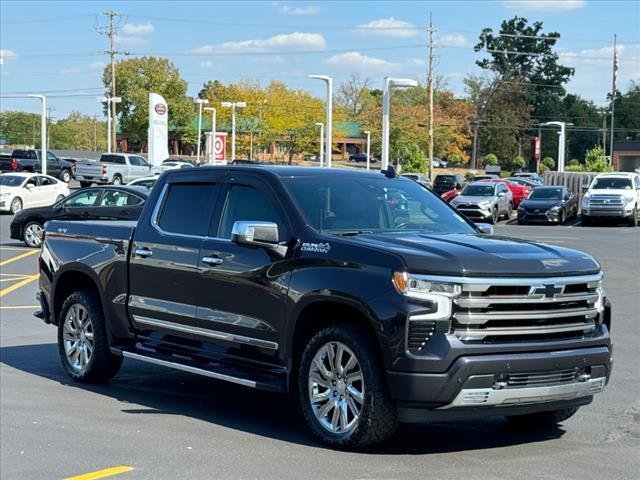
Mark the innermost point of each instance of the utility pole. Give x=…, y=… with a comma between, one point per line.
x=604, y=131
x=49, y=118
x=95, y=133
x=430, y=81
x=613, y=93
x=111, y=32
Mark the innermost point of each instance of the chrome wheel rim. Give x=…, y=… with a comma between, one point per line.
x=117, y=181
x=16, y=205
x=66, y=177
x=32, y=234
x=336, y=388
x=78, y=338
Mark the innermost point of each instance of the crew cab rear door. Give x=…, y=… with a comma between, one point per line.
x=242, y=289
x=163, y=271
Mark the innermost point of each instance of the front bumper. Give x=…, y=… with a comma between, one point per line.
x=618, y=212
x=539, y=216
x=476, y=213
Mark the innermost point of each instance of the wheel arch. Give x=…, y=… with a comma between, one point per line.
x=69, y=281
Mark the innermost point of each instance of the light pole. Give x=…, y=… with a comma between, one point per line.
x=233, y=106
x=213, y=130
x=368, y=133
x=329, y=120
x=561, y=142
x=200, y=102
x=43, y=132
x=109, y=101
x=387, y=84
x=321, y=125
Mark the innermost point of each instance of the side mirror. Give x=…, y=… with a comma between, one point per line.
x=257, y=234
x=485, y=228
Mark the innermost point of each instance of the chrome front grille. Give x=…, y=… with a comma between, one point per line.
x=604, y=202
x=515, y=310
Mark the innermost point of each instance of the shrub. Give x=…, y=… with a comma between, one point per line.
x=595, y=161
x=469, y=176
x=518, y=162
x=574, y=168
x=548, y=162
x=573, y=162
x=542, y=168
x=453, y=160
x=490, y=159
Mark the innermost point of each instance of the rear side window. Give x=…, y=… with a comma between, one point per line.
x=23, y=154
x=118, y=198
x=119, y=159
x=187, y=208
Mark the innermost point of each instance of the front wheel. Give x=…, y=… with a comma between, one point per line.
x=82, y=339
x=31, y=234
x=342, y=390
x=585, y=221
x=633, y=220
x=494, y=216
x=65, y=176
x=540, y=420
x=562, y=218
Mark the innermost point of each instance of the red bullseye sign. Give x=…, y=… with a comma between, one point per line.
x=160, y=108
x=218, y=146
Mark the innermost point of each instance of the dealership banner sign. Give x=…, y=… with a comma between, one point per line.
x=158, y=136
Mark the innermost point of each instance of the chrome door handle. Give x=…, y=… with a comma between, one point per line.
x=142, y=252
x=212, y=261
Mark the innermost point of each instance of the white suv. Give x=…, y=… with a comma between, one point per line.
x=612, y=195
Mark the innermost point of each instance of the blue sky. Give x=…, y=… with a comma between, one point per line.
x=54, y=47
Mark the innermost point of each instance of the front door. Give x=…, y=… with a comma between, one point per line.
x=78, y=205
x=242, y=291
x=165, y=257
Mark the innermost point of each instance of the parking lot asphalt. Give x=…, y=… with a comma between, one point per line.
x=153, y=423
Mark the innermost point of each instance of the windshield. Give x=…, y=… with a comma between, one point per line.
x=611, y=183
x=345, y=205
x=475, y=190
x=11, y=180
x=546, y=194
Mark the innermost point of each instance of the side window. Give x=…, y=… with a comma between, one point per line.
x=82, y=199
x=142, y=162
x=247, y=203
x=45, y=181
x=51, y=157
x=117, y=198
x=135, y=161
x=187, y=208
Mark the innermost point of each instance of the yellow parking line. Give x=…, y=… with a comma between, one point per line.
x=2, y=249
x=15, y=276
x=18, y=257
x=19, y=284
x=19, y=307
x=107, y=472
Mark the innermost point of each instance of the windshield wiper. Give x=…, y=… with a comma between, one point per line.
x=351, y=233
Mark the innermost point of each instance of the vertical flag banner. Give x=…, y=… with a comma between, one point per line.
x=158, y=136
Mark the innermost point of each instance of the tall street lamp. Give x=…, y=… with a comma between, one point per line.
x=321, y=125
x=43, y=131
x=233, y=106
x=213, y=130
x=329, y=120
x=368, y=134
x=200, y=102
x=561, y=142
x=109, y=101
x=387, y=84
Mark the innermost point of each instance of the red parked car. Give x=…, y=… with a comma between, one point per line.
x=519, y=192
x=450, y=195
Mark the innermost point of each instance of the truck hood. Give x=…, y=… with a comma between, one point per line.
x=610, y=191
x=480, y=255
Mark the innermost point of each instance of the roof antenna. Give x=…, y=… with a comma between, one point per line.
x=390, y=172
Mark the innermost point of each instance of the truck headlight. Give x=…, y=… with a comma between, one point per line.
x=441, y=294
x=585, y=201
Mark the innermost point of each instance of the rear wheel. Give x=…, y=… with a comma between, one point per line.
x=16, y=205
x=82, y=339
x=117, y=180
x=31, y=234
x=342, y=390
x=534, y=421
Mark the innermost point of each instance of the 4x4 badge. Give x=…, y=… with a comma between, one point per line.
x=316, y=247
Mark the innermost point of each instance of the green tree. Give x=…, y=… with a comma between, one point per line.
x=595, y=161
x=490, y=159
x=413, y=158
x=548, y=162
x=454, y=160
x=135, y=79
x=20, y=128
x=517, y=163
x=78, y=132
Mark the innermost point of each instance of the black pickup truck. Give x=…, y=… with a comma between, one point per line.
x=31, y=161
x=320, y=282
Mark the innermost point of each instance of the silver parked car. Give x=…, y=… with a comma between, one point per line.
x=484, y=201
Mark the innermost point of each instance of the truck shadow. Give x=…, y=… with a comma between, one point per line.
x=167, y=392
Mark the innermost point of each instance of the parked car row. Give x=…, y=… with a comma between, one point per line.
x=22, y=160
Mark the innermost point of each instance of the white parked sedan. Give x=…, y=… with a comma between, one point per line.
x=26, y=190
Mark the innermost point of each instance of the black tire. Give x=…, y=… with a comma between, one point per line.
x=585, y=221
x=633, y=220
x=541, y=420
x=85, y=184
x=29, y=234
x=378, y=419
x=562, y=218
x=102, y=364
x=65, y=176
x=16, y=205
x=509, y=211
x=117, y=180
x=495, y=216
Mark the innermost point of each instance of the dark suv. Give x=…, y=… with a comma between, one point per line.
x=444, y=183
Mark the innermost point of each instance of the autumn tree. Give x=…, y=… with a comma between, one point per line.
x=353, y=95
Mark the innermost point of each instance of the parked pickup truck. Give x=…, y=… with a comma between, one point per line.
x=311, y=281
x=113, y=168
x=612, y=195
x=30, y=161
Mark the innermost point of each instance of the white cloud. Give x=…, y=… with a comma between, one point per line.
x=302, y=10
x=137, y=29
x=454, y=40
x=417, y=62
x=388, y=27
x=544, y=5
x=291, y=41
x=594, y=70
x=97, y=66
x=358, y=60
x=4, y=54
x=206, y=64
